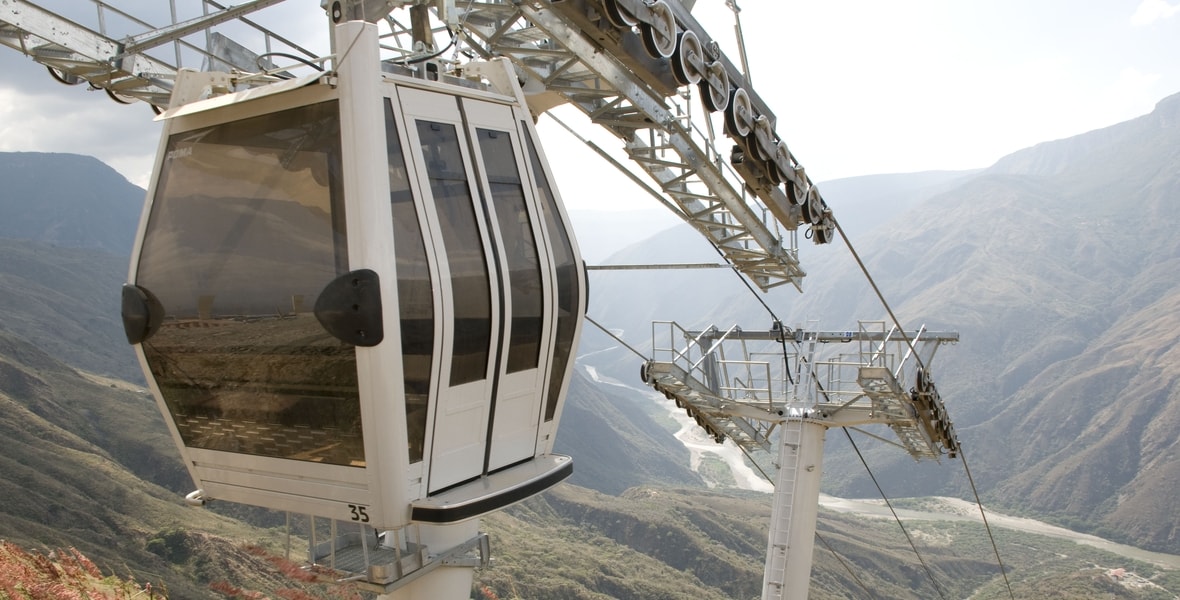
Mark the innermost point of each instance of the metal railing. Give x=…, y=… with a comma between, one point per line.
x=735, y=378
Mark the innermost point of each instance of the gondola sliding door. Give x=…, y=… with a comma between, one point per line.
x=458, y=443
x=526, y=276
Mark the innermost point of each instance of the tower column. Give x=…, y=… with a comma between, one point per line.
x=445, y=581
x=792, y=517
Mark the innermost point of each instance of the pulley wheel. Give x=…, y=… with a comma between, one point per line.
x=120, y=98
x=617, y=15
x=715, y=87
x=689, y=59
x=813, y=210
x=739, y=115
x=763, y=131
x=822, y=233
x=67, y=78
x=659, y=36
x=817, y=206
x=798, y=194
x=780, y=165
x=772, y=173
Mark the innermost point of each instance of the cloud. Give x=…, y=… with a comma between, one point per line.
x=124, y=137
x=1150, y=11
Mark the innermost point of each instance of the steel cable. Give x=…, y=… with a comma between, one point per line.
x=929, y=573
x=918, y=358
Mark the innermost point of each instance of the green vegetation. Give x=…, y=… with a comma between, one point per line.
x=653, y=542
x=716, y=471
x=171, y=545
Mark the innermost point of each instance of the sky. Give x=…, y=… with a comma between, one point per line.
x=859, y=87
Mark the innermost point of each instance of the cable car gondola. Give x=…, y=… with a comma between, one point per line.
x=356, y=294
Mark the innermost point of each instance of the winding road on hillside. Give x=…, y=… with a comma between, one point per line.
x=953, y=509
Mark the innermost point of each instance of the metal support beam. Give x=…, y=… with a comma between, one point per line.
x=791, y=542
x=567, y=49
x=163, y=35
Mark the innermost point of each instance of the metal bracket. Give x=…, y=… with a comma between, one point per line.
x=198, y=85
x=459, y=556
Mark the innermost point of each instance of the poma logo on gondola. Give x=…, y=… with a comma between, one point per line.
x=179, y=153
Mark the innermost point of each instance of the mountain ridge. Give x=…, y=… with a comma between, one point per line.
x=1064, y=319
x=68, y=200
x=1041, y=262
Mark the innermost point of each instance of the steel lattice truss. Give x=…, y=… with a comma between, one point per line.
x=635, y=97
x=741, y=385
x=141, y=65
x=647, y=72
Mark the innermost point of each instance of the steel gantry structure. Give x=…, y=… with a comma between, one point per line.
x=634, y=68
x=740, y=384
x=780, y=390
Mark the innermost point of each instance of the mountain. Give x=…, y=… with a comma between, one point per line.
x=67, y=200
x=1112, y=387
x=67, y=300
x=868, y=201
x=90, y=465
x=1057, y=266
x=656, y=543
x=65, y=238
x=602, y=233
x=63, y=488
x=84, y=466
x=616, y=441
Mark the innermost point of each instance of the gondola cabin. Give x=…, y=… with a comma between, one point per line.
x=357, y=296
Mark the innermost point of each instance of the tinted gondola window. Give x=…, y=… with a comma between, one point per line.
x=470, y=288
x=520, y=249
x=246, y=229
x=414, y=292
x=568, y=294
